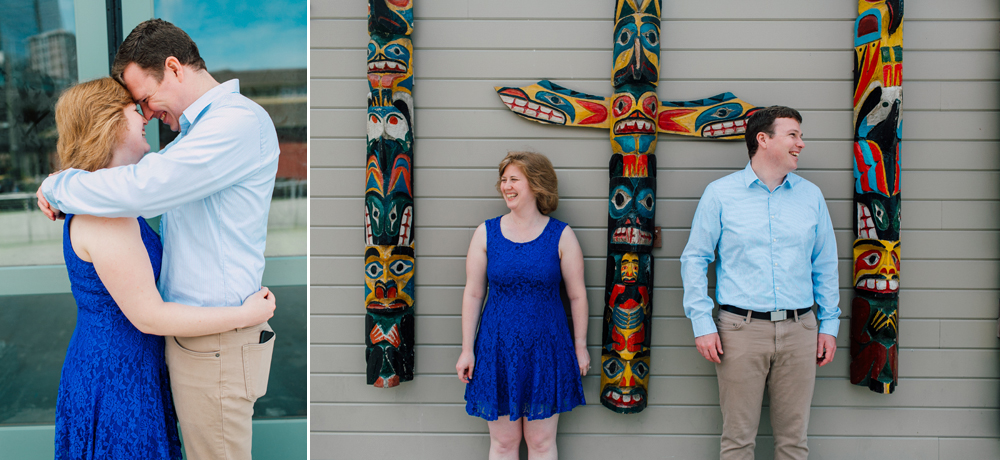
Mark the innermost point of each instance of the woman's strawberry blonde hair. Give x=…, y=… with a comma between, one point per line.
x=91, y=123
x=541, y=177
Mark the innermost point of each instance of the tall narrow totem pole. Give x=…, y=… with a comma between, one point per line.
x=389, y=243
x=634, y=115
x=878, y=122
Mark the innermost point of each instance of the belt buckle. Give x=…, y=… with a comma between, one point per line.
x=780, y=315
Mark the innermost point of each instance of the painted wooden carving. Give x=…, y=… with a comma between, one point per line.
x=389, y=239
x=634, y=116
x=878, y=122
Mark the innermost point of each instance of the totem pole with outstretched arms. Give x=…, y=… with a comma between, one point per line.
x=634, y=115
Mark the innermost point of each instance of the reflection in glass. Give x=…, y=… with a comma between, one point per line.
x=264, y=46
x=37, y=61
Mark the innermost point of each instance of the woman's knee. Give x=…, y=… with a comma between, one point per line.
x=506, y=441
x=540, y=440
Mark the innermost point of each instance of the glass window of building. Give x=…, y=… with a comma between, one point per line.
x=264, y=46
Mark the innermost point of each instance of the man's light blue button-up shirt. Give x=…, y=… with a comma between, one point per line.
x=212, y=184
x=776, y=250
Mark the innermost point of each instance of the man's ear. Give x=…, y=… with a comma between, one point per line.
x=173, y=66
x=761, y=140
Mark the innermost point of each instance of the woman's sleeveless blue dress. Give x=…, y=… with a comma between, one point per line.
x=114, y=394
x=525, y=361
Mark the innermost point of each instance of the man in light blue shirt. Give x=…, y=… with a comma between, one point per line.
x=777, y=256
x=213, y=187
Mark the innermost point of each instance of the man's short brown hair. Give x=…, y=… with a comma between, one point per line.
x=542, y=180
x=150, y=44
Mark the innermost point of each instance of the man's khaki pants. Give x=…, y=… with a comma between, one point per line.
x=215, y=380
x=781, y=354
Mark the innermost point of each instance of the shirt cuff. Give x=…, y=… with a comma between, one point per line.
x=830, y=327
x=47, y=189
x=703, y=326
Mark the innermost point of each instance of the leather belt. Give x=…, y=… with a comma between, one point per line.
x=779, y=315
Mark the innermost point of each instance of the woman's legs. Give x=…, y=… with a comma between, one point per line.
x=505, y=438
x=540, y=435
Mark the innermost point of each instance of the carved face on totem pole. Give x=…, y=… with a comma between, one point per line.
x=389, y=203
x=389, y=190
x=878, y=100
x=626, y=338
x=549, y=103
x=633, y=118
x=723, y=116
x=637, y=43
x=388, y=278
x=631, y=208
x=876, y=268
x=389, y=356
x=390, y=67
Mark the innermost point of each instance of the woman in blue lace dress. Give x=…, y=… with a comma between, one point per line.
x=523, y=368
x=114, y=395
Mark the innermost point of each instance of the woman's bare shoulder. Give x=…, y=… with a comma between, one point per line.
x=104, y=223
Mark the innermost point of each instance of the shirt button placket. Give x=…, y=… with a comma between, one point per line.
x=770, y=227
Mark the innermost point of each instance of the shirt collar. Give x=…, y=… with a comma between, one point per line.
x=198, y=106
x=749, y=177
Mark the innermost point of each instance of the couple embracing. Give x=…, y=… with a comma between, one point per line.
x=191, y=305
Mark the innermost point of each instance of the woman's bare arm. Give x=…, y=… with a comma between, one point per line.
x=472, y=301
x=115, y=247
x=571, y=263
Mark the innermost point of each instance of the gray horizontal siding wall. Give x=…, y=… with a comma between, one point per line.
x=786, y=52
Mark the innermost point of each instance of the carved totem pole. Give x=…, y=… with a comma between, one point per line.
x=878, y=123
x=389, y=243
x=634, y=115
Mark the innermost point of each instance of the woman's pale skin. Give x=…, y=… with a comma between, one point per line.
x=524, y=223
x=115, y=247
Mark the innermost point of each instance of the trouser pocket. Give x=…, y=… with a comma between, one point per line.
x=257, y=367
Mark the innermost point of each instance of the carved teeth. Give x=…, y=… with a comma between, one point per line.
x=629, y=235
x=390, y=66
x=532, y=110
x=725, y=128
x=404, y=226
x=627, y=399
x=634, y=126
x=637, y=398
x=368, y=228
x=880, y=285
x=615, y=396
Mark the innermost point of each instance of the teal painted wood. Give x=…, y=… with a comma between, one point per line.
x=272, y=440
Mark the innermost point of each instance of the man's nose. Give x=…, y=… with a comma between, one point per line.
x=146, y=113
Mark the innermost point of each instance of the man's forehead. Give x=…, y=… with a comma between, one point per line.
x=787, y=125
x=136, y=80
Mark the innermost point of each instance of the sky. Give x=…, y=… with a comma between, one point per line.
x=270, y=34
x=231, y=34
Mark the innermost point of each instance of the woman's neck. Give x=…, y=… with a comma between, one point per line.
x=525, y=218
